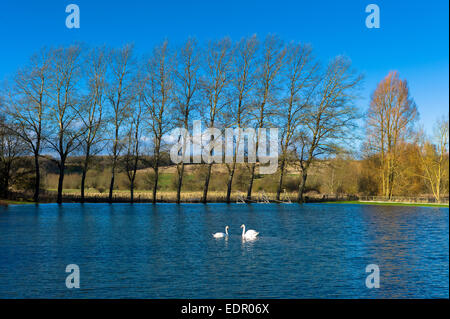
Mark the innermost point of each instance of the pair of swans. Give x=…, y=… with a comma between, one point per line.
x=249, y=234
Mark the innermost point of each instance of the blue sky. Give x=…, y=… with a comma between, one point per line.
x=412, y=39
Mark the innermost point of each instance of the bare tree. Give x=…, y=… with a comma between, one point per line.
x=11, y=148
x=390, y=117
x=272, y=60
x=134, y=136
x=159, y=100
x=96, y=63
x=121, y=93
x=215, y=83
x=64, y=116
x=433, y=155
x=186, y=91
x=243, y=82
x=26, y=107
x=298, y=76
x=329, y=117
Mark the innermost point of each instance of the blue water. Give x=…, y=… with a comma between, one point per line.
x=167, y=251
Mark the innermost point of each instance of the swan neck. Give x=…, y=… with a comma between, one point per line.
x=226, y=231
x=243, y=231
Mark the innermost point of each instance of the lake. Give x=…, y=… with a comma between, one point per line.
x=167, y=251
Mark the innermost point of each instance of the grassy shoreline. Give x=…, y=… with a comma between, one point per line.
x=388, y=203
x=4, y=202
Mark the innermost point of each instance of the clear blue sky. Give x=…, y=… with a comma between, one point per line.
x=413, y=37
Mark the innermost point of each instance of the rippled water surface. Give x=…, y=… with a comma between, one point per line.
x=167, y=251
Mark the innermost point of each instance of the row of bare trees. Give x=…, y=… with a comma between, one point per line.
x=79, y=100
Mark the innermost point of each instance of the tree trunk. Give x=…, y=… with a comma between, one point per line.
x=60, y=182
x=280, y=182
x=83, y=175
x=156, y=169
x=230, y=181
x=132, y=191
x=250, y=186
x=113, y=170
x=233, y=167
x=37, y=182
x=391, y=183
x=438, y=185
x=206, y=186
x=111, y=185
x=180, y=182
x=302, y=185
x=155, y=185
x=83, y=178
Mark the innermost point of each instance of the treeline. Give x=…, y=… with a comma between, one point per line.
x=401, y=156
x=85, y=102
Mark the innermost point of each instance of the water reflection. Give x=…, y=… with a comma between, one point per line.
x=167, y=251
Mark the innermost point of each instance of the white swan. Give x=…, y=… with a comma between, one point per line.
x=249, y=234
x=221, y=235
